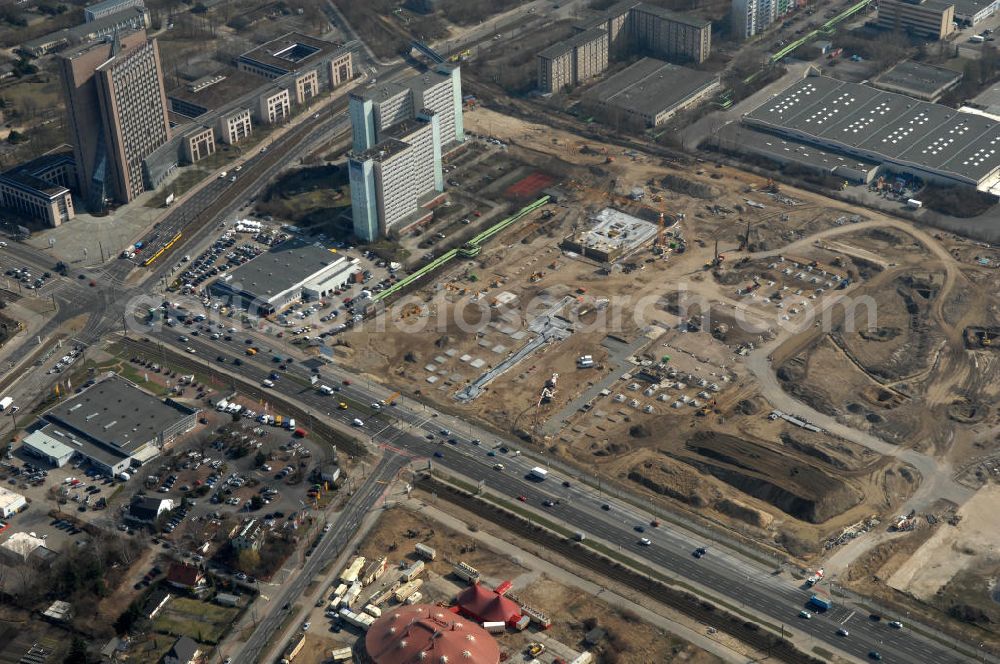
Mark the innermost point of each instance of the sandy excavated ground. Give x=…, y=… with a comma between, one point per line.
x=976, y=539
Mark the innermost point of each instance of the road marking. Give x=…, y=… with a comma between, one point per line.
x=849, y=616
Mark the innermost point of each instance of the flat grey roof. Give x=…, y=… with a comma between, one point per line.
x=46, y=444
x=650, y=86
x=84, y=31
x=673, y=16
x=970, y=7
x=909, y=76
x=381, y=92
x=116, y=413
x=234, y=85
x=280, y=268
x=578, y=39
x=783, y=149
x=989, y=98
x=894, y=127
x=429, y=79
x=291, y=52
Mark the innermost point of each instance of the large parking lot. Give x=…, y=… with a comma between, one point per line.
x=197, y=312
x=237, y=245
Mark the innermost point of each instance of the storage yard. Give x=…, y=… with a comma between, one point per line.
x=412, y=561
x=593, y=357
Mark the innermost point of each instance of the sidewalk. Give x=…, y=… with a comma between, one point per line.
x=334, y=565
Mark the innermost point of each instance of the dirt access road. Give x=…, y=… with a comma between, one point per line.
x=937, y=481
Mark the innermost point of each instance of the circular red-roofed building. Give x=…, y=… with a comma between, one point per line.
x=424, y=634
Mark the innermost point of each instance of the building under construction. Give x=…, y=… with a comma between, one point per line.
x=613, y=235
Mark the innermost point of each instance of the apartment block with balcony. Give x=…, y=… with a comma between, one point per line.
x=574, y=61
x=393, y=183
x=374, y=110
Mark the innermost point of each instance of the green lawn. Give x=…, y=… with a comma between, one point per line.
x=199, y=620
x=188, y=178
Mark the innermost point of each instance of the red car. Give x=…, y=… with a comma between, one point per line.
x=523, y=499
x=347, y=381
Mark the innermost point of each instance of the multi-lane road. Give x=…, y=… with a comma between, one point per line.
x=331, y=545
x=407, y=429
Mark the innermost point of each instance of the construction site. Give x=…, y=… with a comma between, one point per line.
x=787, y=367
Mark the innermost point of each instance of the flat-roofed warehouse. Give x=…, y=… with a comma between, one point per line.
x=284, y=274
x=736, y=138
x=924, y=82
x=647, y=93
x=930, y=141
x=40, y=444
x=116, y=425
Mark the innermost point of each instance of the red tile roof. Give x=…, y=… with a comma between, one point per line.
x=422, y=634
x=184, y=575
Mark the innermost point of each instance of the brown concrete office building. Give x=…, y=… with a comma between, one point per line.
x=117, y=112
x=928, y=18
x=198, y=144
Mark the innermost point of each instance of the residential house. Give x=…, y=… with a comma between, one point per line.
x=250, y=536
x=146, y=509
x=184, y=651
x=187, y=577
x=156, y=601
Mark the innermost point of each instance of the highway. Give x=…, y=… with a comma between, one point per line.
x=331, y=545
x=406, y=427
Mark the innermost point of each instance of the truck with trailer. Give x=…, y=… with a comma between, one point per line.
x=341, y=654
x=466, y=572
x=425, y=552
x=373, y=571
x=413, y=570
x=407, y=589
x=353, y=570
x=384, y=596
x=352, y=594
x=821, y=602
x=538, y=473
x=362, y=620
x=536, y=616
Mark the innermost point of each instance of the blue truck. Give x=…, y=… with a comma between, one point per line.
x=821, y=602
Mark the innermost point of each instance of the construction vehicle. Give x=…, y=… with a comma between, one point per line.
x=536, y=649
x=815, y=578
